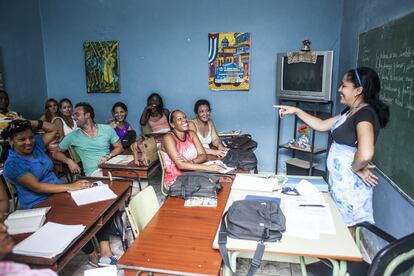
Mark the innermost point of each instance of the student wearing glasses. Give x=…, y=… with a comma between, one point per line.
x=354, y=133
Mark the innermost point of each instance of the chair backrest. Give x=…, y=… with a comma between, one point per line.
x=163, y=191
x=141, y=208
x=75, y=157
x=395, y=258
x=145, y=129
x=12, y=192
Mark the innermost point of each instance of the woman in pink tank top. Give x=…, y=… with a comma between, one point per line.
x=154, y=114
x=183, y=150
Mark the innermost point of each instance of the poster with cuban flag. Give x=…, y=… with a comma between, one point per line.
x=228, y=61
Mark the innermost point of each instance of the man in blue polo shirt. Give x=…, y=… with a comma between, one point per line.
x=91, y=142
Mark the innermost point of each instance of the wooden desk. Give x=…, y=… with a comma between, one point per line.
x=130, y=170
x=65, y=211
x=338, y=248
x=178, y=240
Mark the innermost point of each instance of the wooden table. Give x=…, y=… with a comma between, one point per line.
x=178, y=239
x=65, y=211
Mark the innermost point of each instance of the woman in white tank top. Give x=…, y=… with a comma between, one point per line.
x=205, y=129
x=64, y=121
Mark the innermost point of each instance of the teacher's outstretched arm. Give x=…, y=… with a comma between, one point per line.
x=314, y=122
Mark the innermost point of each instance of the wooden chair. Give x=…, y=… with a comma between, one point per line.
x=396, y=258
x=12, y=192
x=141, y=209
x=163, y=191
x=75, y=157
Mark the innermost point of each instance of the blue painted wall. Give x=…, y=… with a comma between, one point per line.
x=392, y=211
x=21, y=56
x=163, y=47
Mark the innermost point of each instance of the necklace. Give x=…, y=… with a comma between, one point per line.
x=92, y=133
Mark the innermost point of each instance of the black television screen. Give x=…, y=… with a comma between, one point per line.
x=303, y=76
x=303, y=81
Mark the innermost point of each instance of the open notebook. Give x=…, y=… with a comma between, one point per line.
x=26, y=221
x=97, y=193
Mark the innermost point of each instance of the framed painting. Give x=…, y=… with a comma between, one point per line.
x=102, y=66
x=228, y=61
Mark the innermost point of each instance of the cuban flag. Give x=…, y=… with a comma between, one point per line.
x=212, y=46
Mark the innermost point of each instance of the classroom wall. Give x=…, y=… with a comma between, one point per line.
x=392, y=211
x=163, y=47
x=21, y=56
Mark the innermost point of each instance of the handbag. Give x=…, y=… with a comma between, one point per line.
x=144, y=151
x=195, y=184
x=258, y=220
x=241, y=158
x=244, y=141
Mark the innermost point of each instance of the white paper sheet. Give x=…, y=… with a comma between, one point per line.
x=91, y=195
x=50, y=240
x=255, y=182
x=219, y=162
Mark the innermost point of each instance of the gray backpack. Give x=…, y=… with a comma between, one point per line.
x=258, y=220
x=195, y=184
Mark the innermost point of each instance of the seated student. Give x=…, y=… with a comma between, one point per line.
x=28, y=167
x=4, y=202
x=64, y=121
x=12, y=268
x=51, y=110
x=4, y=109
x=123, y=129
x=30, y=170
x=205, y=129
x=91, y=142
x=184, y=151
x=154, y=114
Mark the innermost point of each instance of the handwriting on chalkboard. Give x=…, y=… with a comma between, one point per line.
x=396, y=70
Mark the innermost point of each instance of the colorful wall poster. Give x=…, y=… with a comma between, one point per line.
x=102, y=66
x=228, y=61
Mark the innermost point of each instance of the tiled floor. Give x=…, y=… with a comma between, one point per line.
x=80, y=263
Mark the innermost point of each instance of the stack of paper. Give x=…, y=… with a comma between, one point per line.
x=98, y=193
x=121, y=160
x=201, y=202
x=50, y=240
x=257, y=182
x=219, y=162
x=26, y=221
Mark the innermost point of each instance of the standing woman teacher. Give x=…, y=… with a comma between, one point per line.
x=354, y=134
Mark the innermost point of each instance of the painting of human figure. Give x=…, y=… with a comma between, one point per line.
x=228, y=61
x=102, y=66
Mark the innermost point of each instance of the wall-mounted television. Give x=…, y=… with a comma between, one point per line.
x=305, y=81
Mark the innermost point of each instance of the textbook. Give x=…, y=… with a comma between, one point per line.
x=26, y=221
x=121, y=160
x=100, y=192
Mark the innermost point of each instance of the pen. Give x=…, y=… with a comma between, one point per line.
x=311, y=205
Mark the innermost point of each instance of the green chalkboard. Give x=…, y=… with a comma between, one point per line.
x=389, y=50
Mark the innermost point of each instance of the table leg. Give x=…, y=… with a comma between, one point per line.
x=338, y=267
x=233, y=263
x=303, y=266
x=139, y=183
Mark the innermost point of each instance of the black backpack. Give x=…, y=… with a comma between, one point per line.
x=195, y=184
x=257, y=220
x=241, y=158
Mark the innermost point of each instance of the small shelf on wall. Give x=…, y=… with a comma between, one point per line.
x=296, y=166
x=316, y=150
